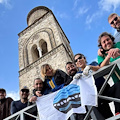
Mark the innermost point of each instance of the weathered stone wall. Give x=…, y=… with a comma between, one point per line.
x=59, y=51
x=57, y=58
x=36, y=15
x=49, y=26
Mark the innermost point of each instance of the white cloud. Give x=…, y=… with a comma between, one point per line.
x=1, y=1
x=6, y=3
x=108, y=5
x=92, y=17
x=103, y=5
x=115, y=31
x=59, y=14
x=63, y=15
x=82, y=10
x=14, y=95
x=75, y=4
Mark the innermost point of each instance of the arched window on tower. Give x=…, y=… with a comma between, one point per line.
x=43, y=46
x=35, y=53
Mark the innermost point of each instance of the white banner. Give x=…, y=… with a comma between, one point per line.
x=61, y=104
x=88, y=90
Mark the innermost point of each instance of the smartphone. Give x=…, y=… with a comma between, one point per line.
x=103, y=51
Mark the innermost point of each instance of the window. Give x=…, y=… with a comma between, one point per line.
x=35, y=53
x=43, y=46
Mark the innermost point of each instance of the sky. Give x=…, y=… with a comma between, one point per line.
x=81, y=20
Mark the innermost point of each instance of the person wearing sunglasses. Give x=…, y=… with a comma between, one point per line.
x=86, y=70
x=114, y=21
x=22, y=103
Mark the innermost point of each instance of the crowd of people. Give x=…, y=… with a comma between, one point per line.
x=53, y=80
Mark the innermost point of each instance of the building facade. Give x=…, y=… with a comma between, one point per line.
x=43, y=41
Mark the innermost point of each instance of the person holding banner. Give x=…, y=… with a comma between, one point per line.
x=53, y=79
x=71, y=70
x=75, y=72
x=113, y=91
x=38, y=89
x=81, y=62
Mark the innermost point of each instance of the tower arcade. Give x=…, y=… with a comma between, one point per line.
x=43, y=41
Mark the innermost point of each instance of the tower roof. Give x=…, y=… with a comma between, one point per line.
x=37, y=13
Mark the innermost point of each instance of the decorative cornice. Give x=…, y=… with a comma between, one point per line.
x=39, y=21
x=43, y=58
x=34, y=24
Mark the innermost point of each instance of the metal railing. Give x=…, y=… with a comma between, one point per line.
x=21, y=114
x=107, y=70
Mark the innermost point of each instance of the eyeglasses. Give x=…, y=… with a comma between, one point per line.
x=115, y=19
x=78, y=59
x=27, y=91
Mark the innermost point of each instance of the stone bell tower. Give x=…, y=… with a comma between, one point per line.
x=43, y=41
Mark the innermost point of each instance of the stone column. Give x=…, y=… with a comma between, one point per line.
x=40, y=51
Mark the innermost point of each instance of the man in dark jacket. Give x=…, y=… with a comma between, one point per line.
x=4, y=104
x=22, y=103
x=71, y=70
x=38, y=89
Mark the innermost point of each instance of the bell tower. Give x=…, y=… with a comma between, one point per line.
x=43, y=41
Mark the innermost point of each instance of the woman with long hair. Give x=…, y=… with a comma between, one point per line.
x=53, y=79
x=113, y=91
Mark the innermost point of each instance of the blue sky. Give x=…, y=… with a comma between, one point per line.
x=81, y=20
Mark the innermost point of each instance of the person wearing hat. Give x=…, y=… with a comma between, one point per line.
x=4, y=104
x=22, y=103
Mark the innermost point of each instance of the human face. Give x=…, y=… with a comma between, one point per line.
x=38, y=85
x=106, y=42
x=2, y=95
x=71, y=69
x=114, y=21
x=24, y=94
x=80, y=61
x=49, y=71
